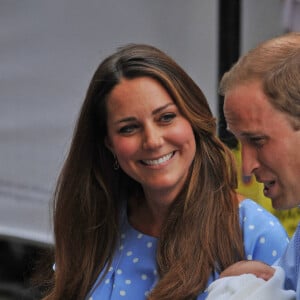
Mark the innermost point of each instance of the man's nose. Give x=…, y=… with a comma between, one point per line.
x=152, y=137
x=249, y=160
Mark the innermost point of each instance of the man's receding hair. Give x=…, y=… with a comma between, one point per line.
x=276, y=63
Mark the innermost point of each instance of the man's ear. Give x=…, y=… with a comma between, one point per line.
x=108, y=144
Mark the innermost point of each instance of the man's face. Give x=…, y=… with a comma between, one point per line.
x=270, y=145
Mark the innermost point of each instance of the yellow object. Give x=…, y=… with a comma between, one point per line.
x=249, y=187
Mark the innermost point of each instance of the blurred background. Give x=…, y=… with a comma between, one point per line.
x=49, y=51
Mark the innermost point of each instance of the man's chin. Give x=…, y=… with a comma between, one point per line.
x=281, y=204
x=278, y=204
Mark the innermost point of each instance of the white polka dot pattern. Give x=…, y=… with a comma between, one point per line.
x=264, y=235
x=133, y=273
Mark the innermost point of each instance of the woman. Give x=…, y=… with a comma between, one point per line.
x=145, y=206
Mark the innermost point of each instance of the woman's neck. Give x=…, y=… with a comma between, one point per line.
x=147, y=215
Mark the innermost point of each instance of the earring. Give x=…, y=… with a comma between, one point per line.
x=116, y=164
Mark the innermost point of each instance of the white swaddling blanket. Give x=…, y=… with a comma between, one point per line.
x=249, y=287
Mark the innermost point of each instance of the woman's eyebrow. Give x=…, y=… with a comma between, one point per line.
x=159, y=109
x=127, y=119
x=154, y=112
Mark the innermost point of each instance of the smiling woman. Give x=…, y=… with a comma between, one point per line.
x=153, y=142
x=143, y=180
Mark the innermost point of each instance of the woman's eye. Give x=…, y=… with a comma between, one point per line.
x=128, y=129
x=167, y=117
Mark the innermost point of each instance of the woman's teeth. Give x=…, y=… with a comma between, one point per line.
x=153, y=162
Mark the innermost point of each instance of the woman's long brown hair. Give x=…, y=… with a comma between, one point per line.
x=201, y=232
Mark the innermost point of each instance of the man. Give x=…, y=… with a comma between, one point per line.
x=262, y=109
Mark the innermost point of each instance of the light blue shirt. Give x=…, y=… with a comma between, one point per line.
x=133, y=273
x=290, y=262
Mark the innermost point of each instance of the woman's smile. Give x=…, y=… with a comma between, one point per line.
x=158, y=161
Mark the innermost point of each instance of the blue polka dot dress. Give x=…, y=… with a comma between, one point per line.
x=133, y=273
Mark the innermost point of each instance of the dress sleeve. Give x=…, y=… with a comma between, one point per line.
x=265, y=239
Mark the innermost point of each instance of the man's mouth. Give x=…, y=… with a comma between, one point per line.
x=268, y=185
x=158, y=161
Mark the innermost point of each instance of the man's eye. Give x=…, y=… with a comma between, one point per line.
x=167, y=117
x=257, y=141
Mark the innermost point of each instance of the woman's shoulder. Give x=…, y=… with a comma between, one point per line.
x=264, y=236
x=255, y=217
x=249, y=208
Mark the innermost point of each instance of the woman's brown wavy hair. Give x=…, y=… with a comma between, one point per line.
x=201, y=232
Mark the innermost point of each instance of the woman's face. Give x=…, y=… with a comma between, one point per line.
x=153, y=142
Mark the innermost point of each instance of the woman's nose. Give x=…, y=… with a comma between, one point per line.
x=152, y=138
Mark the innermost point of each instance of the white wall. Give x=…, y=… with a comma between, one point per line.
x=261, y=20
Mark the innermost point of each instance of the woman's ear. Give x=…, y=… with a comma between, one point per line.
x=108, y=144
